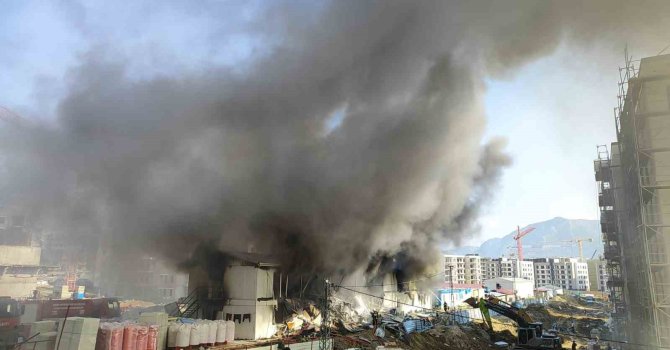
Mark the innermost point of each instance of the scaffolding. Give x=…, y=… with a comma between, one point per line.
x=634, y=184
x=605, y=168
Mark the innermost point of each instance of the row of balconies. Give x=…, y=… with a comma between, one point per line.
x=615, y=281
x=612, y=252
x=606, y=198
x=603, y=171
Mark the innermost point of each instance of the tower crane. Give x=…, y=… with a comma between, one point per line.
x=579, y=241
x=517, y=238
x=580, y=244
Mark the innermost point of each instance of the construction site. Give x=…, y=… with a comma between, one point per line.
x=334, y=175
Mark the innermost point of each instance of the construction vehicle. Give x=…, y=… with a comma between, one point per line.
x=530, y=334
x=10, y=316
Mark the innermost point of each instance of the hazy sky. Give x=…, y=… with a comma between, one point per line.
x=553, y=111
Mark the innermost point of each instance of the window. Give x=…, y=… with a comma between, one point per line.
x=165, y=278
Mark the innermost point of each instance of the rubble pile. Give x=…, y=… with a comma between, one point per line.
x=415, y=331
x=465, y=337
x=569, y=319
x=562, y=306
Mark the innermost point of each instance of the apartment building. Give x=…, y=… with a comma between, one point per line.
x=633, y=179
x=504, y=267
x=597, y=274
x=490, y=269
x=463, y=269
x=567, y=273
x=544, y=272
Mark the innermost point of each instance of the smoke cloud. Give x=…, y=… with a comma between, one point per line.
x=356, y=134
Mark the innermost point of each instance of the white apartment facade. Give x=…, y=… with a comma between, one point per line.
x=490, y=269
x=544, y=272
x=509, y=268
x=463, y=269
x=567, y=273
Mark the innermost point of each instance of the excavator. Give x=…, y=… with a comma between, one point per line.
x=530, y=334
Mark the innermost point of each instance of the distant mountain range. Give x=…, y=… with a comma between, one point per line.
x=544, y=241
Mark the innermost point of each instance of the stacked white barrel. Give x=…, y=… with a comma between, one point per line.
x=220, y=331
x=199, y=332
x=183, y=336
x=230, y=331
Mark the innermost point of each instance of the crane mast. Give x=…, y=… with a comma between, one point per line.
x=517, y=238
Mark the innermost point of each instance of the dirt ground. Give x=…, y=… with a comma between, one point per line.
x=456, y=337
x=561, y=312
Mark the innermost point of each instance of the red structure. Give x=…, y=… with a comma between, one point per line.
x=517, y=238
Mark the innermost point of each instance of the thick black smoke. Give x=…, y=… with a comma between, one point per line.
x=253, y=157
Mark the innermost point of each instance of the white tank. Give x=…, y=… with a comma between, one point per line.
x=195, y=335
x=173, y=330
x=183, y=339
x=220, y=331
x=204, y=331
x=211, y=338
x=230, y=331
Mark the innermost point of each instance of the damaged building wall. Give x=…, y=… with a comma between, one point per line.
x=239, y=288
x=251, y=303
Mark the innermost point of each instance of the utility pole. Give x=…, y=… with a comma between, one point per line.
x=451, y=285
x=324, y=340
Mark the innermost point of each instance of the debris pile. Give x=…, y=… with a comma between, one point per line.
x=358, y=327
x=568, y=317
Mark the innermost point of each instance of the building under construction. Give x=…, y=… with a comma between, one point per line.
x=633, y=179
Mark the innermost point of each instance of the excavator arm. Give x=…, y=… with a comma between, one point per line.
x=530, y=334
x=502, y=308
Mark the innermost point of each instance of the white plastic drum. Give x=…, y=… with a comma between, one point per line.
x=230, y=331
x=220, y=331
x=204, y=331
x=211, y=338
x=183, y=336
x=173, y=330
x=195, y=335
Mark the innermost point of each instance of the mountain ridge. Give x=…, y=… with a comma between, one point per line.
x=545, y=241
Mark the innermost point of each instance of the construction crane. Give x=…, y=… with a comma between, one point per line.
x=517, y=238
x=579, y=241
x=580, y=244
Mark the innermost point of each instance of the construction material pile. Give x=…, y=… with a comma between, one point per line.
x=43, y=335
x=78, y=333
x=302, y=321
